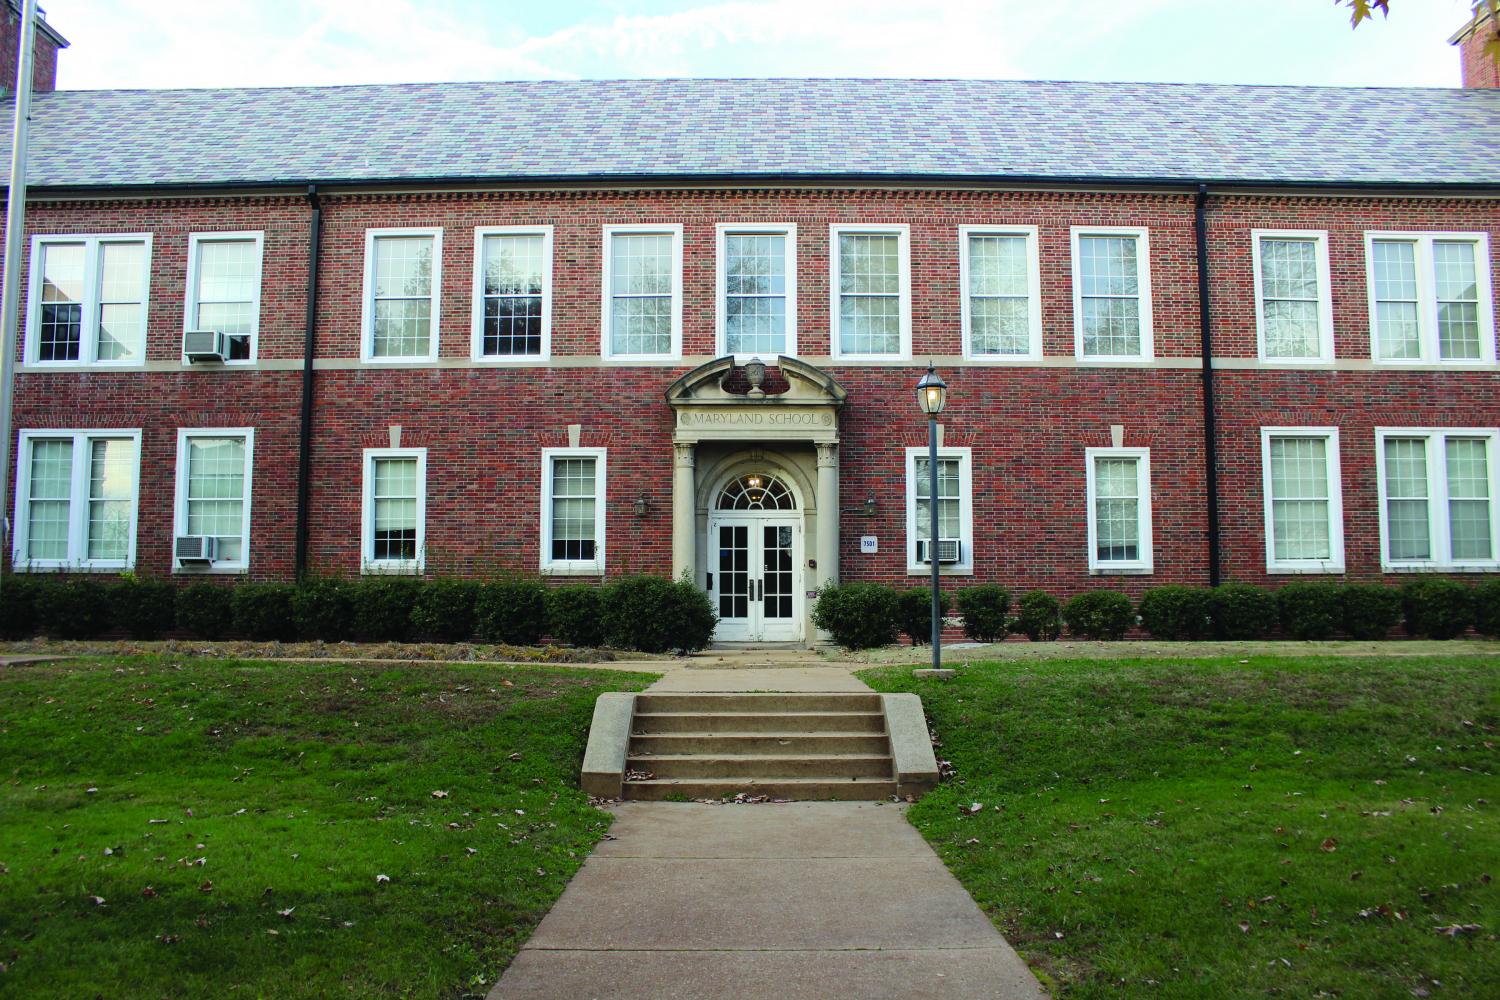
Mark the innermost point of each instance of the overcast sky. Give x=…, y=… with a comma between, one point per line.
x=218, y=43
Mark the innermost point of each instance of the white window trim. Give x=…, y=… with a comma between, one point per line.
x=573, y=567
x=1319, y=239
x=965, y=564
x=1142, y=236
x=1145, y=564
x=88, y=346
x=190, y=292
x=606, y=313
x=368, y=564
x=476, y=322
x=1335, y=562
x=78, y=503
x=367, y=296
x=1438, y=528
x=1427, y=307
x=1033, y=293
x=902, y=233
x=721, y=287
x=179, y=515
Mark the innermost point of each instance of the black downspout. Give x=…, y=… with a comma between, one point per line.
x=304, y=441
x=1210, y=435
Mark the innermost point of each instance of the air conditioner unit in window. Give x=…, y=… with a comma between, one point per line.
x=948, y=550
x=201, y=549
x=205, y=345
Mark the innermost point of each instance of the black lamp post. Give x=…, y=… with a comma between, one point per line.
x=932, y=394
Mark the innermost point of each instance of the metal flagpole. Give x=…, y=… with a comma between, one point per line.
x=10, y=279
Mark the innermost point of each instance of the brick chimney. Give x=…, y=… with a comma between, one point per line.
x=44, y=56
x=1476, y=45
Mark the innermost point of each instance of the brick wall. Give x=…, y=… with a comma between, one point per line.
x=43, y=59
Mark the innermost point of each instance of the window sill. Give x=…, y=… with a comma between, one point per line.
x=235, y=570
x=924, y=569
x=1323, y=569
x=391, y=569
x=43, y=569
x=1441, y=568
x=1121, y=570
x=566, y=569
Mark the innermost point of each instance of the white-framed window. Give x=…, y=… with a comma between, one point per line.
x=403, y=282
x=1303, y=499
x=1293, y=295
x=1437, y=498
x=1119, y=509
x=573, y=495
x=214, y=467
x=1430, y=298
x=1002, y=293
x=88, y=299
x=642, y=308
x=77, y=493
x=757, y=289
x=870, y=288
x=393, y=521
x=512, y=293
x=1112, y=294
x=223, y=289
x=955, y=511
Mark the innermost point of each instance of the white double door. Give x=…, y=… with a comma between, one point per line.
x=755, y=576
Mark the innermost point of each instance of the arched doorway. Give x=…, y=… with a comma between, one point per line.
x=755, y=559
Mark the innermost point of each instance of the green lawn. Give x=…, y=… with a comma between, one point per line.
x=190, y=828
x=1267, y=827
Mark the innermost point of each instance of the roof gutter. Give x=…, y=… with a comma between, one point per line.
x=304, y=438
x=1210, y=430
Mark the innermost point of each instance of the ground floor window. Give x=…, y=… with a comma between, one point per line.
x=1303, y=502
x=213, y=498
x=76, y=498
x=955, y=542
x=1119, y=509
x=395, y=502
x=572, y=530
x=1437, y=491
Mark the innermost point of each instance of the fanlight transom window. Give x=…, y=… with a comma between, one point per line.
x=756, y=491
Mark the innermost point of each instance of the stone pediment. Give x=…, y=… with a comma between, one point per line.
x=722, y=401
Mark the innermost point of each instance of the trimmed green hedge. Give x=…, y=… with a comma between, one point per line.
x=1175, y=612
x=914, y=613
x=985, y=610
x=857, y=615
x=1099, y=614
x=1038, y=616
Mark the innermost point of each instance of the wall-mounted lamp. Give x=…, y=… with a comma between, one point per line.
x=869, y=506
x=641, y=506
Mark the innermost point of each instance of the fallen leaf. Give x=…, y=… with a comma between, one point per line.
x=286, y=914
x=440, y=795
x=1330, y=845
x=1244, y=927
x=207, y=886
x=381, y=879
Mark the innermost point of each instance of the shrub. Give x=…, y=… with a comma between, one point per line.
x=443, y=610
x=263, y=611
x=1487, y=608
x=382, y=607
x=983, y=609
x=575, y=614
x=143, y=608
x=76, y=608
x=203, y=609
x=1099, y=614
x=1240, y=611
x=19, y=596
x=692, y=616
x=655, y=615
x=857, y=615
x=1437, y=608
x=1175, y=612
x=914, y=613
x=323, y=609
x=1371, y=610
x=1038, y=616
x=512, y=610
x=1310, y=610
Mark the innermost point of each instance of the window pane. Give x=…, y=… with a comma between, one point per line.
x=513, y=276
x=1000, y=325
x=48, y=508
x=61, y=322
x=870, y=324
x=403, y=327
x=111, y=491
x=512, y=325
x=403, y=266
x=641, y=325
x=641, y=264
x=1116, y=509
x=755, y=325
x=394, y=493
x=1406, y=493
x=119, y=332
x=226, y=270
x=1299, y=499
x=869, y=263
x=997, y=265
x=513, y=265
x=216, y=493
x=121, y=292
x=755, y=293
x=949, y=505
x=1396, y=330
x=1111, y=327
x=999, y=313
x=1469, y=498
x=1458, y=300
x=1107, y=265
x=573, y=508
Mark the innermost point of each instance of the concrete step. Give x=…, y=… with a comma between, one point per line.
x=789, y=702
x=764, y=766
x=804, y=789
x=760, y=743
x=758, y=722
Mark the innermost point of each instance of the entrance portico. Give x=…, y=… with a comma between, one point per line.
x=755, y=492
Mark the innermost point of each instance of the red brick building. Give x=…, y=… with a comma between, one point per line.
x=469, y=328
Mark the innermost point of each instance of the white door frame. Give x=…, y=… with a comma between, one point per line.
x=756, y=627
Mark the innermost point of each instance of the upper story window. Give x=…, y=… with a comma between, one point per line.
x=403, y=274
x=1437, y=493
x=512, y=293
x=642, y=292
x=1002, y=308
x=1293, y=304
x=871, y=291
x=1119, y=509
x=395, y=510
x=757, y=290
x=223, y=289
x=1303, y=499
x=1112, y=294
x=572, y=539
x=76, y=498
x=1430, y=298
x=88, y=299
x=955, y=546
x=213, y=496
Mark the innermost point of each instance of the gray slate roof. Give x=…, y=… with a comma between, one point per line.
x=937, y=129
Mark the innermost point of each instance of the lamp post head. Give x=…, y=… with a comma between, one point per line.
x=932, y=392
